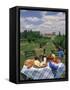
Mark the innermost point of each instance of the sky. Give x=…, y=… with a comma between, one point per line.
x=43, y=21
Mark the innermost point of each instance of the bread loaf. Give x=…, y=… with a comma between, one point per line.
x=29, y=63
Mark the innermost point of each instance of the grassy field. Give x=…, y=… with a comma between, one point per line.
x=26, y=46
x=29, y=46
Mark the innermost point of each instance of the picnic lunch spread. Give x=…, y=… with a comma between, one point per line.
x=35, y=69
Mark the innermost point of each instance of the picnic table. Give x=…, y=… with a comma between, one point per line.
x=37, y=73
x=43, y=73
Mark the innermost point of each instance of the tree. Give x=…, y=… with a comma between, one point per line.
x=59, y=33
x=59, y=41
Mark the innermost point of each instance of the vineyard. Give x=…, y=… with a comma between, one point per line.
x=33, y=44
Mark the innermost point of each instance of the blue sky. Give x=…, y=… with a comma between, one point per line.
x=30, y=13
x=43, y=21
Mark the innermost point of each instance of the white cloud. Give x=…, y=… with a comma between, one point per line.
x=53, y=23
x=43, y=13
x=32, y=19
x=49, y=23
x=24, y=24
x=23, y=11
